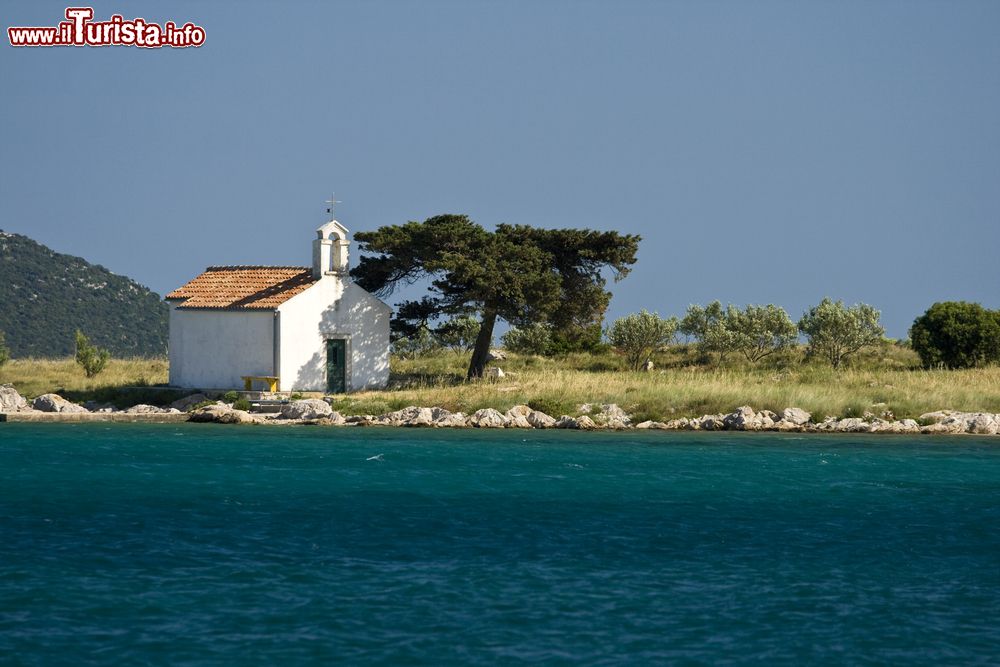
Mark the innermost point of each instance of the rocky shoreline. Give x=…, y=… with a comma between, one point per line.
x=589, y=417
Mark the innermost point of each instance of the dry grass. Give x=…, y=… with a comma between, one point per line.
x=33, y=377
x=884, y=380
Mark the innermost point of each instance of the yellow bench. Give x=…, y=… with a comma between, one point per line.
x=270, y=380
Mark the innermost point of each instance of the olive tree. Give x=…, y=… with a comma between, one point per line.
x=707, y=326
x=638, y=335
x=759, y=331
x=836, y=331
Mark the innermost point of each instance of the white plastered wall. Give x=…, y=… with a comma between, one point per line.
x=333, y=308
x=212, y=349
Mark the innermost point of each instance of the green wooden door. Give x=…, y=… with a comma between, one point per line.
x=336, y=366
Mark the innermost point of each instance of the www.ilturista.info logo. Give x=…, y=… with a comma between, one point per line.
x=80, y=30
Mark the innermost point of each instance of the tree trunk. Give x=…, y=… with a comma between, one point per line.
x=481, y=352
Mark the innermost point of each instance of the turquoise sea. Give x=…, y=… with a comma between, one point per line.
x=215, y=545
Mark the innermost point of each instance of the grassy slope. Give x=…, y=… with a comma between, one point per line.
x=682, y=388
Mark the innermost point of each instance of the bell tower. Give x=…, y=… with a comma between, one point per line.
x=330, y=248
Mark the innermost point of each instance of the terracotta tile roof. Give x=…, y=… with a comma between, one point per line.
x=244, y=287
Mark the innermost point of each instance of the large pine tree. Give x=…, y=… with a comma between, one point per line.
x=517, y=273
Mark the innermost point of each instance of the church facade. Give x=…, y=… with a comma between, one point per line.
x=297, y=328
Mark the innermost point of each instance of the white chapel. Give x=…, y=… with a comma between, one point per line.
x=293, y=328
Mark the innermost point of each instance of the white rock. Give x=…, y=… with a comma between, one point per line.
x=517, y=418
x=522, y=410
x=238, y=417
x=712, y=422
x=210, y=413
x=936, y=417
x=496, y=355
x=144, y=409
x=982, y=424
x=308, y=408
x=613, y=416
x=424, y=417
x=452, y=420
x=333, y=419
x=186, y=403
x=10, y=400
x=539, y=419
x=744, y=419
x=487, y=418
x=853, y=425
x=566, y=421
x=796, y=416
x=414, y=416
x=55, y=403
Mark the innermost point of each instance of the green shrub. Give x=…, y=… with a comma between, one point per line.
x=552, y=407
x=533, y=339
x=573, y=337
x=92, y=358
x=956, y=334
x=241, y=403
x=638, y=335
x=231, y=397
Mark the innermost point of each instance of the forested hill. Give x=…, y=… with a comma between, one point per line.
x=45, y=296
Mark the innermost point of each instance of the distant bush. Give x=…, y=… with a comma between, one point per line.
x=572, y=337
x=707, y=326
x=638, y=335
x=4, y=350
x=956, y=334
x=459, y=333
x=231, y=397
x=92, y=358
x=534, y=339
x=241, y=403
x=420, y=343
x=836, y=331
x=755, y=331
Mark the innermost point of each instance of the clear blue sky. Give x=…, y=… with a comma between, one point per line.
x=766, y=152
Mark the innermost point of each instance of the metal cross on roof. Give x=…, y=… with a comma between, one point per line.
x=331, y=202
